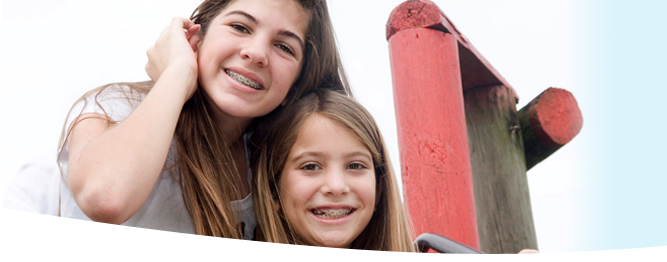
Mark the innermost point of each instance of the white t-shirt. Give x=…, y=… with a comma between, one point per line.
x=164, y=209
x=35, y=187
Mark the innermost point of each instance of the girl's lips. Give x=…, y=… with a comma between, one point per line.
x=248, y=74
x=243, y=80
x=239, y=86
x=336, y=206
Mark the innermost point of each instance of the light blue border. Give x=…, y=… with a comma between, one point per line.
x=631, y=65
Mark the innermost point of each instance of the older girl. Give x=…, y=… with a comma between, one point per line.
x=170, y=154
x=323, y=177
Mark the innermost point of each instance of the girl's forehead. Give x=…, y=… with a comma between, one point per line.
x=271, y=12
x=321, y=126
x=355, y=131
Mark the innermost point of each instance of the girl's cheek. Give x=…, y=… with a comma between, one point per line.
x=368, y=190
x=305, y=188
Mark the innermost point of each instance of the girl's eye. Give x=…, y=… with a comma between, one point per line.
x=310, y=167
x=356, y=166
x=240, y=28
x=285, y=48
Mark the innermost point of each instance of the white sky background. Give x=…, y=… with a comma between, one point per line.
x=55, y=50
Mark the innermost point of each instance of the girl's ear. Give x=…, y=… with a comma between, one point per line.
x=193, y=37
x=284, y=103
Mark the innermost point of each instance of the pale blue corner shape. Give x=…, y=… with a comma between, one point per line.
x=28, y=234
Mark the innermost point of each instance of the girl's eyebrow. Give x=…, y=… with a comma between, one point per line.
x=359, y=153
x=320, y=155
x=292, y=35
x=306, y=154
x=239, y=12
x=281, y=32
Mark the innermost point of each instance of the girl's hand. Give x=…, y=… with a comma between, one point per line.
x=176, y=49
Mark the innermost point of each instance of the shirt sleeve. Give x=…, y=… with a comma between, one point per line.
x=115, y=101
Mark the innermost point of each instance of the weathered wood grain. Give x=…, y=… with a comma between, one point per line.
x=502, y=199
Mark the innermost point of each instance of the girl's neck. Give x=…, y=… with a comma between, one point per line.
x=231, y=127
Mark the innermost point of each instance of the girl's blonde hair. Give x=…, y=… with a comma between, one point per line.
x=209, y=177
x=389, y=228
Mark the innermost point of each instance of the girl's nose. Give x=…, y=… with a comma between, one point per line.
x=335, y=183
x=256, y=52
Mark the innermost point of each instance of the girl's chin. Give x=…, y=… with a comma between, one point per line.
x=233, y=107
x=335, y=241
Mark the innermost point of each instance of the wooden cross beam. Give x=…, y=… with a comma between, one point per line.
x=458, y=129
x=548, y=122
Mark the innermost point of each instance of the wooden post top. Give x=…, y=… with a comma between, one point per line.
x=476, y=71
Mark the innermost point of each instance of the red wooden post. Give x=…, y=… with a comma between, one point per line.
x=434, y=69
x=435, y=165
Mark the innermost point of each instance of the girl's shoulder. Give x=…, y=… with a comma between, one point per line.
x=116, y=100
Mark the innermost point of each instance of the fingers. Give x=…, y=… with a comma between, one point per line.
x=164, y=32
x=180, y=23
x=184, y=27
x=150, y=66
x=176, y=44
x=177, y=26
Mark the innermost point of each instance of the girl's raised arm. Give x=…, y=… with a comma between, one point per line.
x=113, y=166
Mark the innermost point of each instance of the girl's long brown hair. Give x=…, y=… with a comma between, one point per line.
x=209, y=178
x=389, y=228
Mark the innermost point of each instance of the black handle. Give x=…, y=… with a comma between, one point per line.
x=442, y=244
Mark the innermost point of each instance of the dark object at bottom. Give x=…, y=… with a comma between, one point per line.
x=442, y=244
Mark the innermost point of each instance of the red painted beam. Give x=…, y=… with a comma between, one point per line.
x=432, y=136
x=475, y=69
x=548, y=122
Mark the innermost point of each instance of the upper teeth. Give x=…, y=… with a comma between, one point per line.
x=332, y=213
x=243, y=80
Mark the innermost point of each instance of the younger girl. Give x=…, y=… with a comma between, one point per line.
x=170, y=154
x=323, y=177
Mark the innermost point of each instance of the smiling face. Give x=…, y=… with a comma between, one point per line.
x=327, y=187
x=251, y=54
